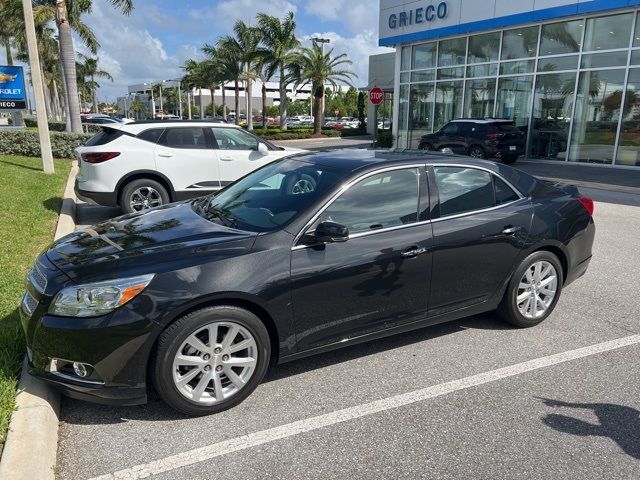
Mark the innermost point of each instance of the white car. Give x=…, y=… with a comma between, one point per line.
x=147, y=164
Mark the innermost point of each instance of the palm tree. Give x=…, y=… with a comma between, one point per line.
x=243, y=48
x=67, y=15
x=279, y=45
x=228, y=56
x=137, y=107
x=91, y=70
x=312, y=66
x=195, y=78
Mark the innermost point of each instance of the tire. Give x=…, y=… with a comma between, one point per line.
x=300, y=184
x=509, y=159
x=148, y=193
x=427, y=147
x=167, y=373
x=511, y=310
x=477, y=151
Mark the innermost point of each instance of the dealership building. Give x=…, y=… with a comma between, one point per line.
x=567, y=72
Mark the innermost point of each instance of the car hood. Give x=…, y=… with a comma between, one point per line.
x=164, y=238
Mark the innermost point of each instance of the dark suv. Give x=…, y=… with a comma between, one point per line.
x=478, y=138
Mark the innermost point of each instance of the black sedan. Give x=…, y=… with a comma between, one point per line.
x=304, y=255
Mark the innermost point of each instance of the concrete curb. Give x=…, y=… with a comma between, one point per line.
x=32, y=440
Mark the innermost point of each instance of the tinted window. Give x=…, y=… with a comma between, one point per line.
x=503, y=127
x=152, y=135
x=185, y=138
x=271, y=196
x=389, y=199
x=234, y=139
x=103, y=137
x=504, y=193
x=463, y=190
x=451, y=128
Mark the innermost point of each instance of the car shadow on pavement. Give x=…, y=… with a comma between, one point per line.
x=84, y=413
x=618, y=422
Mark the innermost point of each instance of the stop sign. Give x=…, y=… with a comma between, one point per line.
x=376, y=95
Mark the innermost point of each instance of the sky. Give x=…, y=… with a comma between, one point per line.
x=155, y=40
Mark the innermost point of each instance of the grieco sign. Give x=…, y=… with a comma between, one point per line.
x=12, y=91
x=419, y=15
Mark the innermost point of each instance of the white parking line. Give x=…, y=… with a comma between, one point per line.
x=259, y=438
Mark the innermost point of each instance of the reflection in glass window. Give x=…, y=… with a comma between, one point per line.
x=605, y=33
x=448, y=102
x=423, y=76
x=463, y=190
x=424, y=56
x=557, y=64
x=191, y=138
x=629, y=149
x=518, y=67
x=450, y=73
x=480, y=98
x=452, y=52
x=596, y=116
x=504, y=193
x=484, y=48
x=403, y=116
x=389, y=199
x=486, y=70
x=563, y=37
x=421, y=104
x=636, y=40
x=552, y=105
x=603, y=60
x=514, y=99
x=234, y=139
x=520, y=43
x=405, y=58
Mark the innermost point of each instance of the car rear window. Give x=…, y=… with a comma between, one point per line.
x=103, y=137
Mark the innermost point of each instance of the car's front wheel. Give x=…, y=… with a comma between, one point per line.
x=425, y=146
x=533, y=291
x=211, y=359
x=143, y=194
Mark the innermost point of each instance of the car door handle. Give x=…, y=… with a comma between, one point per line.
x=510, y=230
x=165, y=154
x=413, y=252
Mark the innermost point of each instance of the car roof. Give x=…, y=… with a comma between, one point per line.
x=137, y=127
x=352, y=160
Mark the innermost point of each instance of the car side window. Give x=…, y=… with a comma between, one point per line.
x=234, y=139
x=185, y=137
x=463, y=190
x=451, y=128
x=152, y=135
x=384, y=200
x=504, y=193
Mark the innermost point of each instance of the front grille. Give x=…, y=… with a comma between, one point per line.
x=37, y=279
x=29, y=303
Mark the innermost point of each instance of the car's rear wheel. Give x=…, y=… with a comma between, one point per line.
x=509, y=159
x=142, y=194
x=533, y=291
x=477, y=152
x=425, y=146
x=211, y=360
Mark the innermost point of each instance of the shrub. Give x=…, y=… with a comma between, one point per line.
x=27, y=143
x=385, y=139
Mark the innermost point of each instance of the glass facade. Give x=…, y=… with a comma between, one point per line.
x=572, y=86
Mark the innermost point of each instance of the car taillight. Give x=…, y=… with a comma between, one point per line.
x=495, y=136
x=99, y=157
x=587, y=203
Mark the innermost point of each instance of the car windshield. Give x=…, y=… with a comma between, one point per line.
x=270, y=197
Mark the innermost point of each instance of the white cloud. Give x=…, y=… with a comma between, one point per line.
x=225, y=13
x=356, y=15
x=358, y=48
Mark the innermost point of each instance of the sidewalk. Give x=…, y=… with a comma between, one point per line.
x=621, y=180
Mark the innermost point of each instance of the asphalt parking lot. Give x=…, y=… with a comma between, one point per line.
x=469, y=399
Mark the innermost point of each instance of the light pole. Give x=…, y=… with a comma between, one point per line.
x=321, y=41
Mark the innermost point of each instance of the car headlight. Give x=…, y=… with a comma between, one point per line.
x=95, y=299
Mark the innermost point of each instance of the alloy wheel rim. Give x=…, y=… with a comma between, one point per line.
x=144, y=198
x=302, y=186
x=215, y=362
x=537, y=290
x=476, y=153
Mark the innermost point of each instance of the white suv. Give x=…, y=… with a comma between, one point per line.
x=147, y=164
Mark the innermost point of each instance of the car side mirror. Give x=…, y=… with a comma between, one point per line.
x=263, y=149
x=331, y=232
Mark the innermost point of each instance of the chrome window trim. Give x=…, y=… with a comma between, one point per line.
x=346, y=187
x=473, y=212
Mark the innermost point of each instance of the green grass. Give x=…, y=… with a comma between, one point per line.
x=29, y=206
